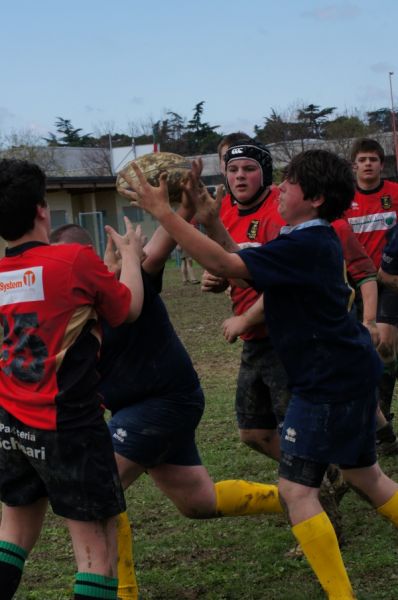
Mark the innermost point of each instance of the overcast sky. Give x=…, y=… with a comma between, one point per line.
x=105, y=64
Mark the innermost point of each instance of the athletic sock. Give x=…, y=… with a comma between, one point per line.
x=236, y=497
x=91, y=586
x=127, y=588
x=12, y=560
x=390, y=509
x=318, y=541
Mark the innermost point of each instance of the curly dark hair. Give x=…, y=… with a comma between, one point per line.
x=22, y=188
x=323, y=173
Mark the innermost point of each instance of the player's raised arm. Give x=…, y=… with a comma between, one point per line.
x=161, y=244
x=129, y=248
x=208, y=253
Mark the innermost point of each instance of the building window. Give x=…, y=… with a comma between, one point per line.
x=134, y=213
x=58, y=218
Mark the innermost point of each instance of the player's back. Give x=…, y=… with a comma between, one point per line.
x=47, y=299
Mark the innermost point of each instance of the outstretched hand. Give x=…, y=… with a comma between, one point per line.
x=112, y=257
x=206, y=207
x=118, y=244
x=154, y=200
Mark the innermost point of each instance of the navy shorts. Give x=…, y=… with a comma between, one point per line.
x=75, y=469
x=262, y=395
x=341, y=433
x=159, y=430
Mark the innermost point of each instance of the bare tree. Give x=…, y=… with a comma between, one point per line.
x=26, y=145
x=341, y=132
x=285, y=133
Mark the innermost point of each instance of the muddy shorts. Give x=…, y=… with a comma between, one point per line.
x=261, y=395
x=75, y=469
x=316, y=435
x=387, y=306
x=159, y=430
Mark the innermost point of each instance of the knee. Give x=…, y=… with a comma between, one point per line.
x=386, y=351
x=265, y=441
x=388, y=343
x=290, y=492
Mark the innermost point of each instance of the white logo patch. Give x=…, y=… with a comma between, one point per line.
x=120, y=434
x=23, y=285
x=244, y=245
x=237, y=151
x=290, y=435
x=375, y=222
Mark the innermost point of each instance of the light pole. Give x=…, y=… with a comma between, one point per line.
x=394, y=129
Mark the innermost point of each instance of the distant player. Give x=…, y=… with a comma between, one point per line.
x=372, y=214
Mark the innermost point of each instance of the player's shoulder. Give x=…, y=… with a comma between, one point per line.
x=270, y=203
x=66, y=256
x=341, y=226
x=390, y=186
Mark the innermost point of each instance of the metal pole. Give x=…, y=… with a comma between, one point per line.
x=394, y=129
x=111, y=153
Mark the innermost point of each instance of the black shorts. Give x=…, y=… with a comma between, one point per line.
x=262, y=395
x=75, y=469
x=387, y=306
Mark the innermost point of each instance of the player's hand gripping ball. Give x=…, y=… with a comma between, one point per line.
x=152, y=165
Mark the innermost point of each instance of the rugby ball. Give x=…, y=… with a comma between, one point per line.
x=152, y=165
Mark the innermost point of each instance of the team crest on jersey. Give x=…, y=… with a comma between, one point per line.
x=253, y=229
x=386, y=202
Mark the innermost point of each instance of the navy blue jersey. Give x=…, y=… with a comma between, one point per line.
x=145, y=358
x=389, y=261
x=327, y=354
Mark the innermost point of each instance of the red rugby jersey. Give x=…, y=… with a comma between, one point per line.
x=251, y=227
x=372, y=214
x=50, y=299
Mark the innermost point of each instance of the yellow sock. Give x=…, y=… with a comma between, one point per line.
x=390, y=509
x=127, y=588
x=318, y=541
x=236, y=497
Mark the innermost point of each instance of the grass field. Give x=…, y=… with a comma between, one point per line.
x=221, y=559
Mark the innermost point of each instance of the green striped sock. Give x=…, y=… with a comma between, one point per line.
x=95, y=587
x=12, y=560
x=12, y=554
